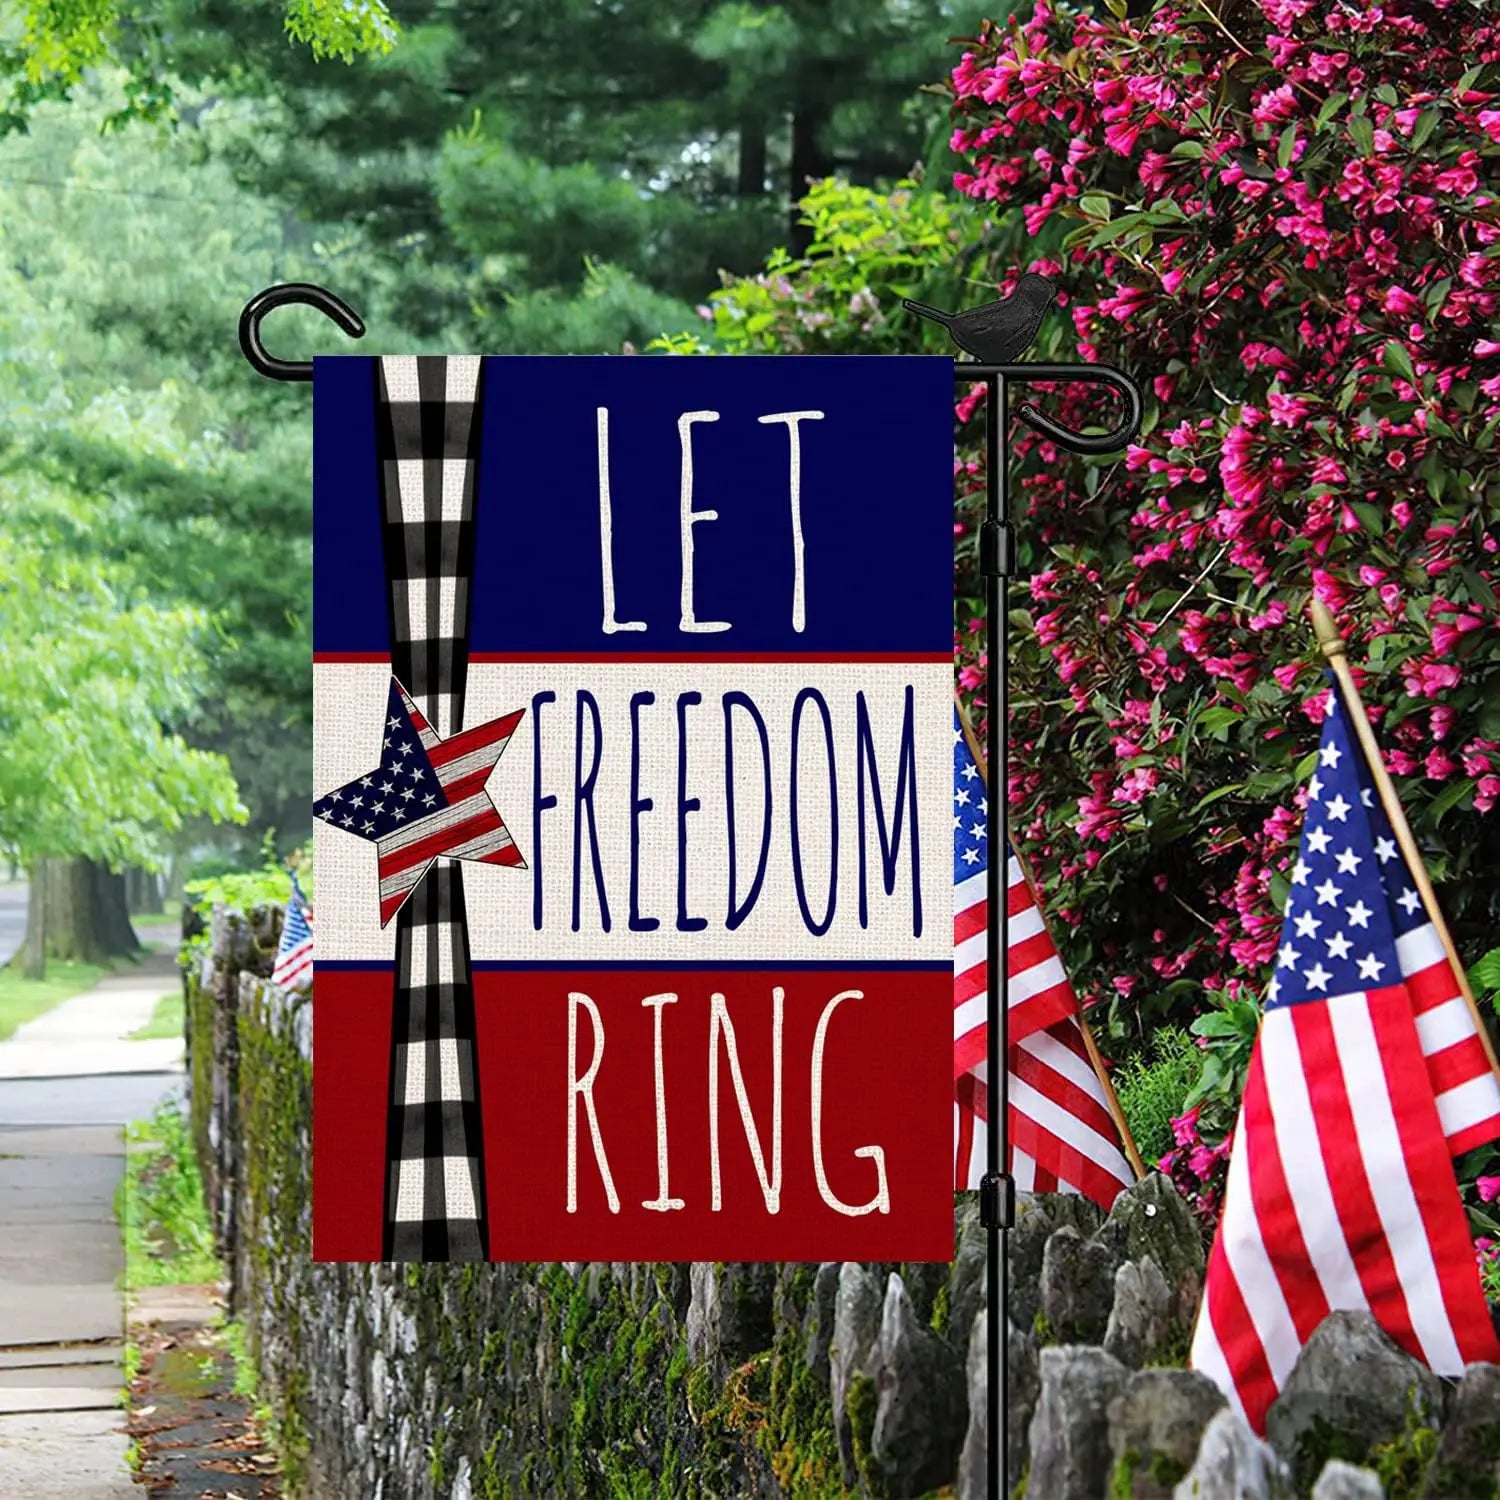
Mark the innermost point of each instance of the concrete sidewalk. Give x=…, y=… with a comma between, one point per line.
x=86, y=1036
x=62, y=1157
x=69, y=1081
x=61, y=1314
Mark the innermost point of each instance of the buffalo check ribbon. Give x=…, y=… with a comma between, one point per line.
x=428, y=423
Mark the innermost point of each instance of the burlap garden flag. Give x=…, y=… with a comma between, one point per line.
x=633, y=737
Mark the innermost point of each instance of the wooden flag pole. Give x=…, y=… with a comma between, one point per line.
x=1332, y=646
x=1095, y=1057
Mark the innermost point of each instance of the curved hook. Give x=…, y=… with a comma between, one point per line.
x=1067, y=437
x=288, y=292
x=1034, y=417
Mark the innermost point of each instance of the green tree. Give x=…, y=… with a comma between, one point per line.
x=47, y=47
x=89, y=772
x=125, y=383
x=613, y=157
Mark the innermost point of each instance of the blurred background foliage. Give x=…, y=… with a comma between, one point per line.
x=561, y=177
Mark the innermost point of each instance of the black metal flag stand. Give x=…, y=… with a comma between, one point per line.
x=997, y=563
x=1005, y=327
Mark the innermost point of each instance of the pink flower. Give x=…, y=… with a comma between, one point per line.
x=1440, y=765
x=1400, y=303
x=1489, y=1188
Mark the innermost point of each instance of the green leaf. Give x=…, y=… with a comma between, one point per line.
x=1281, y=891
x=1217, y=718
x=1115, y=229
x=1215, y=1023
x=1485, y=974
x=1427, y=122
x=1387, y=95
x=1094, y=205
x=1331, y=106
x=1188, y=150
x=1371, y=516
x=1479, y=590
x=1363, y=134
x=1395, y=358
x=1286, y=145
x=1449, y=798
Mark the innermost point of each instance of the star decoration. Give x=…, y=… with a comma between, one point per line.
x=461, y=820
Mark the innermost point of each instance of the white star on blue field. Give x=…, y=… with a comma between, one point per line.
x=970, y=810
x=1352, y=895
x=400, y=790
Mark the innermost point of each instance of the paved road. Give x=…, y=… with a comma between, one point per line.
x=12, y=920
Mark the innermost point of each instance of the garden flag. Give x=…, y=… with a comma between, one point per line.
x=294, y=953
x=1065, y=1133
x=632, y=693
x=1367, y=1078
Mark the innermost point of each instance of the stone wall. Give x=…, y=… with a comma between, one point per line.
x=394, y=1382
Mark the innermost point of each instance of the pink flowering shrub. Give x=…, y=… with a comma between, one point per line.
x=1283, y=217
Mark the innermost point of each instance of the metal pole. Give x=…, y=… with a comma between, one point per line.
x=997, y=562
x=997, y=1191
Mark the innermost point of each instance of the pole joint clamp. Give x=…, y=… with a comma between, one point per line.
x=997, y=1201
x=997, y=549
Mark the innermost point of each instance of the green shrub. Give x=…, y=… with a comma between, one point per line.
x=1152, y=1088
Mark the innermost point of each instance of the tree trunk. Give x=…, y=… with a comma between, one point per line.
x=36, y=923
x=77, y=913
x=113, y=911
x=143, y=895
x=752, y=165
x=809, y=163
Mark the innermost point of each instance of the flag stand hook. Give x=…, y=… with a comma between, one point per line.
x=285, y=294
x=997, y=563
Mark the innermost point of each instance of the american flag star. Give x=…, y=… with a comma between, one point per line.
x=426, y=798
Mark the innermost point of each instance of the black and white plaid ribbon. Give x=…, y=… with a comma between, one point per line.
x=427, y=432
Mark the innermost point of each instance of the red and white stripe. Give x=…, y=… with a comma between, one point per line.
x=1464, y=1083
x=1061, y=1135
x=1037, y=990
x=295, y=965
x=468, y=827
x=1341, y=1190
x=292, y=965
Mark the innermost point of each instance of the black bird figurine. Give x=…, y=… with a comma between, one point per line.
x=999, y=332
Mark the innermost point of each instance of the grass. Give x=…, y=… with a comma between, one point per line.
x=168, y=1241
x=1151, y=1089
x=166, y=1020
x=232, y=1337
x=23, y=999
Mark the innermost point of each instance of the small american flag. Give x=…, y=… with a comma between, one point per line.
x=1061, y=1133
x=1368, y=1077
x=294, y=954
